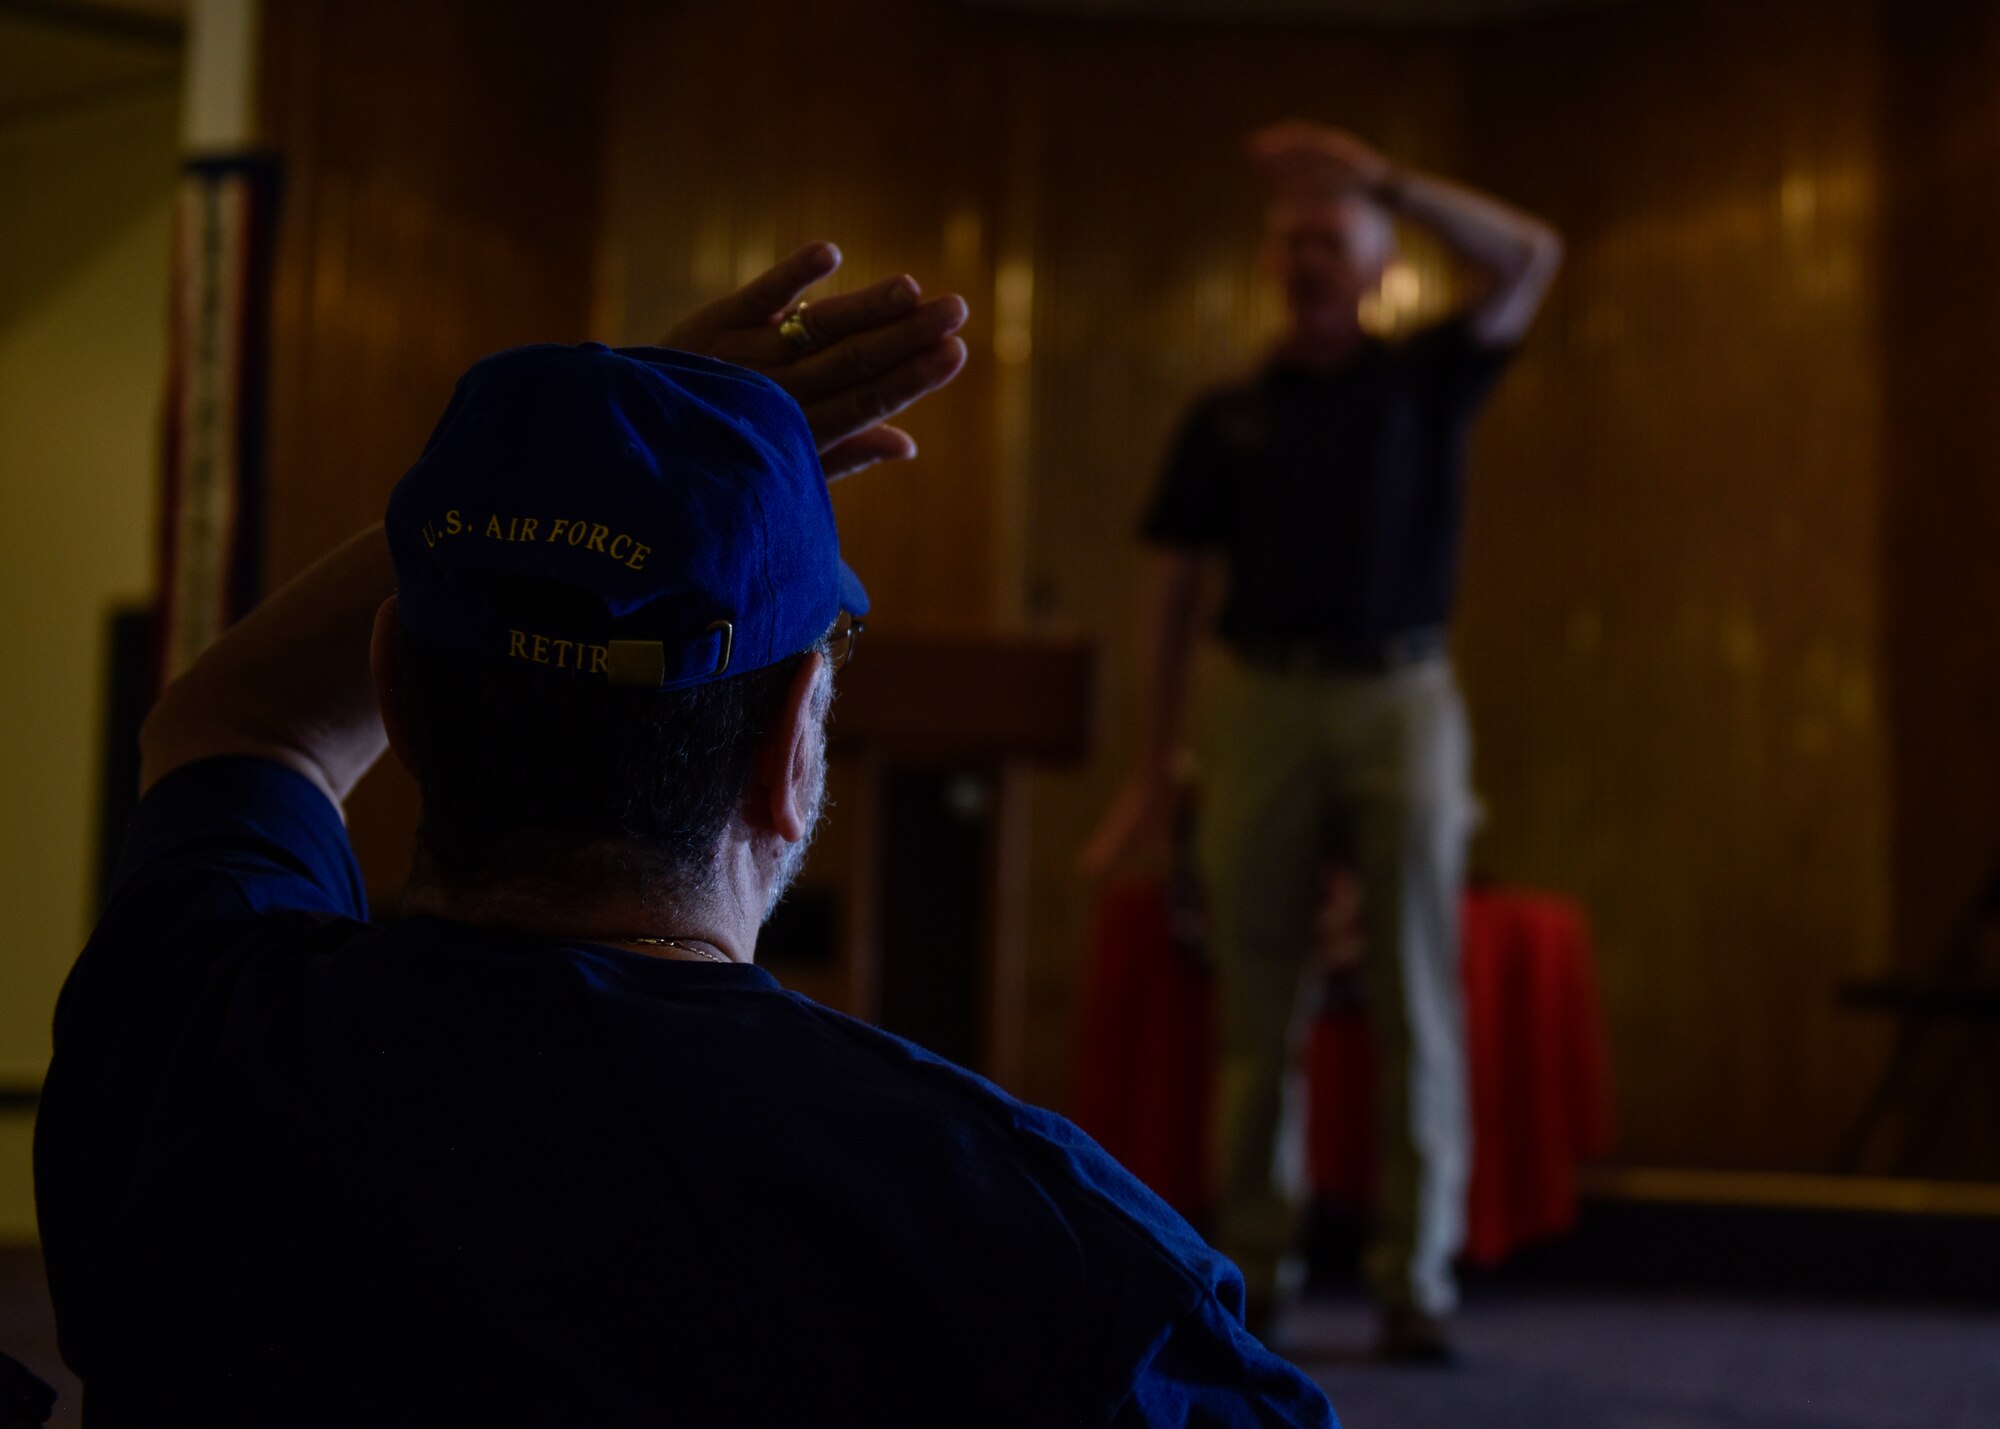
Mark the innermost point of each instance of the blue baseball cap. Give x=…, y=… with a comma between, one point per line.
x=641, y=516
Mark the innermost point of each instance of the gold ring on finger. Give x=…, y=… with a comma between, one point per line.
x=794, y=331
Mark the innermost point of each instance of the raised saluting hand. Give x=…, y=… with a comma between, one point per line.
x=851, y=361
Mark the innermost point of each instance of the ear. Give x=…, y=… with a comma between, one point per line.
x=781, y=796
x=385, y=663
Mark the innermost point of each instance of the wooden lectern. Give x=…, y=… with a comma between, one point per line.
x=933, y=736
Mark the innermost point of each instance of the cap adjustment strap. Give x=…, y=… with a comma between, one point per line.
x=642, y=664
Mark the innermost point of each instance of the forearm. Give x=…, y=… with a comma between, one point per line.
x=290, y=682
x=1513, y=254
x=1486, y=234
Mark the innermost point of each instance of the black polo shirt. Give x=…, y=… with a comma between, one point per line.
x=1336, y=496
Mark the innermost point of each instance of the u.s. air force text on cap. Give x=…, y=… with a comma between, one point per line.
x=628, y=551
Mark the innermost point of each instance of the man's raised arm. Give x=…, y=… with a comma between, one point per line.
x=291, y=682
x=1514, y=255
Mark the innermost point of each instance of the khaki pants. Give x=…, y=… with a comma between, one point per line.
x=1298, y=768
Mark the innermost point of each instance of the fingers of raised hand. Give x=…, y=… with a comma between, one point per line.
x=868, y=354
x=832, y=320
x=1294, y=136
x=826, y=323
x=780, y=285
x=1297, y=152
x=865, y=449
x=738, y=327
x=1273, y=138
x=860, y=347
x=856, y=407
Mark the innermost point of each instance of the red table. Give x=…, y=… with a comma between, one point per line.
x=1540, y=1086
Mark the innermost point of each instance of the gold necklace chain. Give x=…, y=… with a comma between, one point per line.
x=685, y=947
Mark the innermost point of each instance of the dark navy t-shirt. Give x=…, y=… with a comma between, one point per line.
x=293, y=1168
x=1337, y=497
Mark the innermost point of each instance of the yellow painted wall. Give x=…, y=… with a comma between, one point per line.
x=86, y=199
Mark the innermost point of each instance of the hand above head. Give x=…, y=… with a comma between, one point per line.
x=1307, y=160
x=851, y=361
x=1513, y=255
x=862, y=358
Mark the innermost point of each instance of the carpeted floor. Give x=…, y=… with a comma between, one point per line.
x=1570, y=1359
x=1582, y=1360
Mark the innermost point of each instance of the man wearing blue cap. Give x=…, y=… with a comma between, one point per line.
x=552, y=1149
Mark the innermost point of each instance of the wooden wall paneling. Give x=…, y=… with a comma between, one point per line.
x=1673, y=590
x=440, y=204
x=1939, y=316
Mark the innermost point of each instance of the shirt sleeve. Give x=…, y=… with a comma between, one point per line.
x=211, y=848
x=1190, y=505
x=260, y=829
x=223, y=860
x=1210, y=1370
x=1165, y=1309
x=1454, y=367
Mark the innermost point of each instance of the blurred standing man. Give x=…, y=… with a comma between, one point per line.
x=1332, y=484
